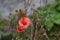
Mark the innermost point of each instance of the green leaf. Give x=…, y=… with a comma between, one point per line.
x=48, y=24
x=57, y=21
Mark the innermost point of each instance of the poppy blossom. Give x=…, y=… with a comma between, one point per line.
x=20, y=29
x=24, y=22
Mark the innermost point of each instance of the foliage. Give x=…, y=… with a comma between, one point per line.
x=51, y=15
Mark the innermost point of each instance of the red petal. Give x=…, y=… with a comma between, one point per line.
x=20, y=29
x=25, y=22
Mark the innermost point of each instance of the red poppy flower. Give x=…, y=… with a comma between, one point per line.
x=20, y=29
x=24, y=22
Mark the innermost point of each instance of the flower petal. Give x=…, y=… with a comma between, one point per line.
x=24, y=22
x=20, y=29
